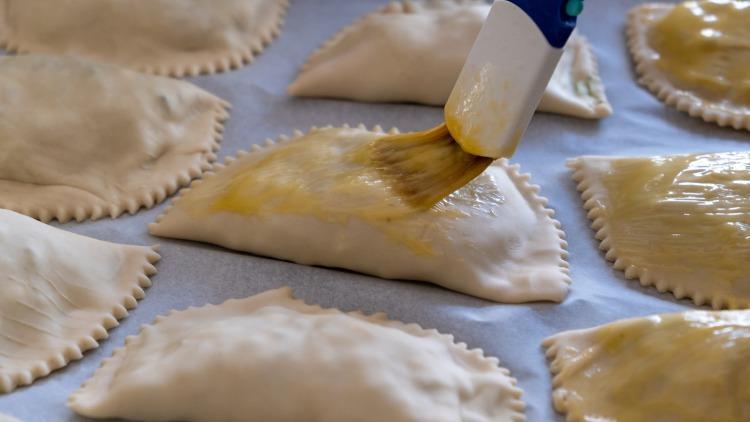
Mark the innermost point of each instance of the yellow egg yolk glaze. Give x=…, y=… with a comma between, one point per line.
x=704, y=47
x=328, y=175
x=683, y=216
x=689, y=367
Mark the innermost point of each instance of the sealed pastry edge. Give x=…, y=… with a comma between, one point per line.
x=659, y=86
x=556, y=363
x=591, y=193
x=521, y=181
x=218, y=64
x=379, y=318
x=141, y=280
x=147, y=198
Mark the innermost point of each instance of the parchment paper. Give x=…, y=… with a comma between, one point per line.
x=196, y=274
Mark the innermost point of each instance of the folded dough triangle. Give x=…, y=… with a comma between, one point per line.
x=695, y=57
x=272, y=357
x=688, y=367
x=164, y=37
x=60, y=293
x=678, y=222
x=413, y=52
x=83, y=140
x=314, y=200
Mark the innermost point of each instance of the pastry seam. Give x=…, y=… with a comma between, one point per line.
x=140, y=280
x=146, y=198
x=556, y=366
x=380, y=318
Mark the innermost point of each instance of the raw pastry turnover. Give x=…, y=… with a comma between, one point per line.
x=680, y=223
x=695, y=56
x=317, y=200
x=61, y=292
x=83, y=140
x=289, y=361
x=413, y=52
x=688, y=367
x=165, y=37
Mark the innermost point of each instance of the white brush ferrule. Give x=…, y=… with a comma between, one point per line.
x=501, y=83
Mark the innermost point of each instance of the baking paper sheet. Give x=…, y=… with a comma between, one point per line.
x=196, y=274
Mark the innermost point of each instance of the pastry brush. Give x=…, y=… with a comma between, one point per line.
x=491, y=104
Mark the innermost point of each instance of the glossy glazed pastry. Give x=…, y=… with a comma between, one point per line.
x=679, y=223
x=289, y=361
x=318, y=200
x=695, y=56
x=84, y=140
x=61, y=292
x=414, y=51
x=164, y=37
x=689, y=367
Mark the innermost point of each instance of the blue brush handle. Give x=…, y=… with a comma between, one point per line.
x=555, y=18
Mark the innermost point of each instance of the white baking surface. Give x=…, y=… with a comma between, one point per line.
x=195, y=274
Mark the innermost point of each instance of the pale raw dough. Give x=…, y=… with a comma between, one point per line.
x=270, y=357
x=688, y=367
x=722, y=112
x=83, y=140
x=165, y=37
x=678, y=223
x=414, y=51
x=493, y=239
x=61, y=292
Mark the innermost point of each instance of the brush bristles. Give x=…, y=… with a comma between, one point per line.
x=425, y=167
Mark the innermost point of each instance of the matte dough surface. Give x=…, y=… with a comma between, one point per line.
x=283, y=360
x=414, y=51
x=165, y=37
x=84, y=140
x=61, y=292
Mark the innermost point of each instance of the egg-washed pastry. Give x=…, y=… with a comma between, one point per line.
x=316, y=199
x=695, y=56
x=687, y=367
x=164, y=37
x=59, y=294
x=83, y=140
x=679, y=223
x=414, y=51
x=289, y=361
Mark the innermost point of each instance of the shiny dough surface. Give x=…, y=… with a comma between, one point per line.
x=289, y=361
x=61, y=292
x=689, y=367
x=414, y=51
x=319, y=189
x=83, y=140
x=704, y=46
x=682, y=221
x=695, y=56
x=174, y=37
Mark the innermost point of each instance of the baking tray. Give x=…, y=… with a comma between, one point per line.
x=196, y=274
